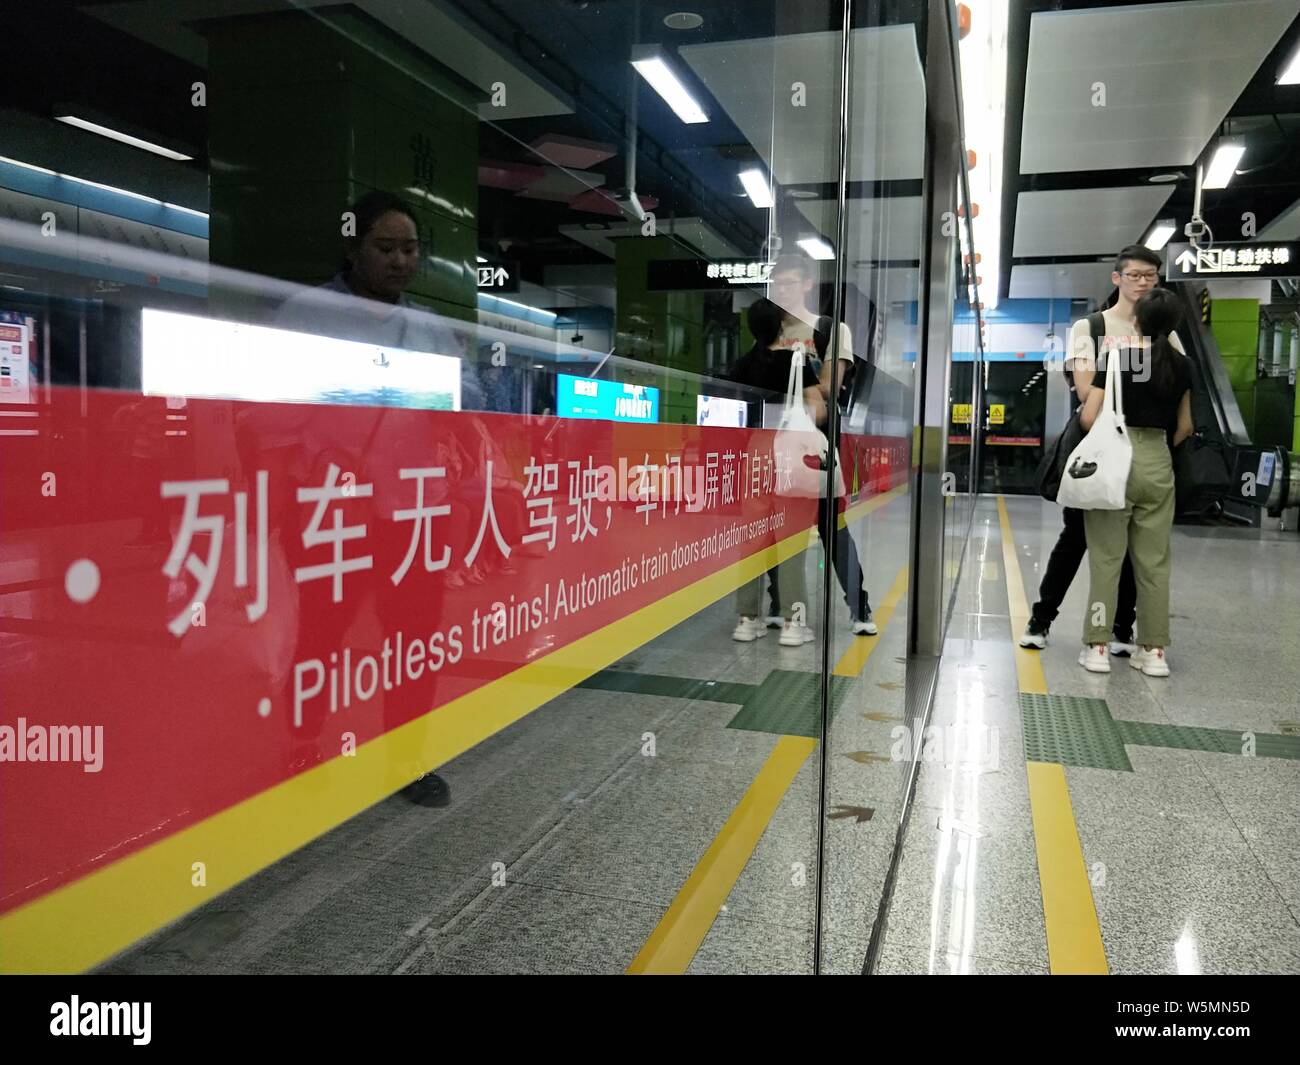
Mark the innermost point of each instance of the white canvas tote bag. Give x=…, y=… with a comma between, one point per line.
x=1096, y=473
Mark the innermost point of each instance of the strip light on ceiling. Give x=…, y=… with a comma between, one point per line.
x=1291, y=72
x=662, y=79
x=1223, y=166
x=817, y=248
x=124, y=138
x=755, y=182
x=1160, y=234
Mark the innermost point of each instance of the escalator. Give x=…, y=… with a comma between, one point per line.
x=1243, y=481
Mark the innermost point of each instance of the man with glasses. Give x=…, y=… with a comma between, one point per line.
x=1137, y=271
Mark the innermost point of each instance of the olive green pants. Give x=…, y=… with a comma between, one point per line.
x=1142, y=529
x=790, y=579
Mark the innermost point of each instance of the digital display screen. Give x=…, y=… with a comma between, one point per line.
x=586, y=397
x=189, y=355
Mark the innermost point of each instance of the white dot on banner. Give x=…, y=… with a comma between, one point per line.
x=81, y=582
x=264, y=707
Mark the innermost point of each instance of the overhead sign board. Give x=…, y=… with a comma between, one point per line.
x=1275, y=258
x=688, y=274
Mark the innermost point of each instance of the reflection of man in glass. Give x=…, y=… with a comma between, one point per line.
x=794, y=282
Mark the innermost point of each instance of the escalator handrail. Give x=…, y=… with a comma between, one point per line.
x=1204, y=350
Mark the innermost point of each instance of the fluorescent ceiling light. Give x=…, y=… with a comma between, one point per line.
x=125, y=138
x=1160, y=234
x=756, y=185
x=1291, y=72
x=665, y=83
x=1226, y=157
x=480, y=258
x=817, y=248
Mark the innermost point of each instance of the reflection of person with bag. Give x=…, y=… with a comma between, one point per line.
x=781, y=371
x=843, y=552
x=1155, y=382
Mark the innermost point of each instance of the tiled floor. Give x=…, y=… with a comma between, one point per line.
x=567, y=840
x=1191, y=855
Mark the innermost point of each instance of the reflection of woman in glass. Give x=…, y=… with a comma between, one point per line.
x=381, y=261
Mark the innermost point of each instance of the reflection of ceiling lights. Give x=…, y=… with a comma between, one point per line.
x=106, y=188
x=1223, y=166
x=662, y=79
x=124, y=138
x=1173, y=175
x=802, y=194
x=817, y=248
x=755, y=182
x=683, y=20
x=984, y=98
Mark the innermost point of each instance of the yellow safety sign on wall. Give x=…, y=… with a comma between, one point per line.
x=997, y=413
x=961, y=413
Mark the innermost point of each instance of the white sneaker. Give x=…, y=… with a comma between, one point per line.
x=865, y=628
x=749, y=630
x=1123, y=650
x=796, y=635
x=1095, y=659
x=774, y=621
x=1151, y=661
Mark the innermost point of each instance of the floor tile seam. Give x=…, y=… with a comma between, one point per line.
x=1219, y=796
x=454, y=931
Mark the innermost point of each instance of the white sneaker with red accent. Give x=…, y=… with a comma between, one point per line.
x=1095, y=658
x=1152, y=661
x=749, y=630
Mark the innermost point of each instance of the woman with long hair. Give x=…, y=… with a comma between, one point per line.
x=1157, y=397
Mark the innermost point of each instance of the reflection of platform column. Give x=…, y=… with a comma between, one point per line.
x=664, y=328
x=307, y=113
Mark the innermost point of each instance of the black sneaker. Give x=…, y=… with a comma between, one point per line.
x=1035, y=634
x=428, y=790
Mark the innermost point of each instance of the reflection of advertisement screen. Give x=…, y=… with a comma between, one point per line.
x=188, y=355
x=714, y=410
x=586, y=397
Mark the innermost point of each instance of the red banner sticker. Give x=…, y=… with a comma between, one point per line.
x=204, y=598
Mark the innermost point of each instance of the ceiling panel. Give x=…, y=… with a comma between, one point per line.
x=1285, y=226
x=1085, y=221
x=432, y=26
x=691, y=231
x=1089, y=281
x=1171, y=73
x=878, y=228
x=752, y=81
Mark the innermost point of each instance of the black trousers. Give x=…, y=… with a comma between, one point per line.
x=844, y=558
x=1064, y=563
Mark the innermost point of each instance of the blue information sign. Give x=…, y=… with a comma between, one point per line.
x=587, y=397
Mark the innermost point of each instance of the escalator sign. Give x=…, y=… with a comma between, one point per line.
x=1241, y=259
